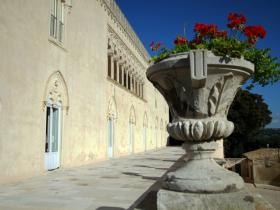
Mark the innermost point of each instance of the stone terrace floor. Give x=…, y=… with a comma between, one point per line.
x=115, y=184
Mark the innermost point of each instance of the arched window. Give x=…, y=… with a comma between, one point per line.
x=55, y=101
x=131, y=125
x=111, y=121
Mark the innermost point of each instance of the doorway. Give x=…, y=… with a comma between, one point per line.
x=53, y=137
x=110, y=138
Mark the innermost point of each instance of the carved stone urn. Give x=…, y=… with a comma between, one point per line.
x=199, y=88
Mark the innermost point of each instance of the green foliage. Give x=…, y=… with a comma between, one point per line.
x=266, y=67
x=164, y=53
x=180, y=49
x=227, y=47
x=269, y=137
x=250, y=114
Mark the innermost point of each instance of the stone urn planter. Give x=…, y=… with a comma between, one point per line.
x=199, y=88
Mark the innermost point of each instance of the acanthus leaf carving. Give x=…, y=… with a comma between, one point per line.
x=215, y=96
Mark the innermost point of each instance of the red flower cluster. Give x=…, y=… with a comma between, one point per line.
x=155, y=46
x=205, y=29
x=180, y=40
x=254, y=32
x=209, y=30
x=223, y=34
x=236, y=20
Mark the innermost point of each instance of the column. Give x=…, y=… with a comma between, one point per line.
x=135, y=84
x=139, y=88
x=126, y=78
x=130, y=81
x=142, y=90
x=136, y=87
x=123, y=69
x=117, y=70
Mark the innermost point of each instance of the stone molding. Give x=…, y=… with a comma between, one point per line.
x=120, y=51
x=56, y=91
x=112, y=108
x=203, y=129
x=113, y=11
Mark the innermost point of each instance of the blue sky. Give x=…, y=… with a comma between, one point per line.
x=163, y=20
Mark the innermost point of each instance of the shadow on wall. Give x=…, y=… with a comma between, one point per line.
x=275, y=181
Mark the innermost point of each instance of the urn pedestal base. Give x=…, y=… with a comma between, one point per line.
x=241, y=200
x=201, y=173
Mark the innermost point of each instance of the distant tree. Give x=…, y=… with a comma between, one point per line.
x=250, y=114
x=269, y=137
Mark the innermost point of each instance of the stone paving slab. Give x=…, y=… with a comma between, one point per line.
x=114, y=184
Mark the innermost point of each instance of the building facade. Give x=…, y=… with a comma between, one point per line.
x=73, y=88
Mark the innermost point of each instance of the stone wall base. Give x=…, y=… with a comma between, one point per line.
x=242, y=200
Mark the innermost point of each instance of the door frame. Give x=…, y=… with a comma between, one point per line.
x=111, y=133
x=57, y=106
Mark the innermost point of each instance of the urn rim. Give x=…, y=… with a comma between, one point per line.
x=181, y=60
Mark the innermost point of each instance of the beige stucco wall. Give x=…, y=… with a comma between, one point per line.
x=29, y=57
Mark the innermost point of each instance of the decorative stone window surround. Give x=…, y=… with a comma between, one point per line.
x=56, y=91
x=115, y=14
x=124, y=63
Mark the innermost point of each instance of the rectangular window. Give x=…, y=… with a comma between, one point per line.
x=57, y=20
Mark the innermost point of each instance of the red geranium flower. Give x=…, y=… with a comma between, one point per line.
x=155, y=46
x=222, y=34
x=180, y=40
x=205, y=29
x=236, y=20
x=254, y=31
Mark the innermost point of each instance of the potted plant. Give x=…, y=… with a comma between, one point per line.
x=199, y=79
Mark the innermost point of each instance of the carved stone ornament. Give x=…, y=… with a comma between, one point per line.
x=199, y=88
x=56, y=91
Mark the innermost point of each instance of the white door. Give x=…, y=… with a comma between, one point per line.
x=52, y=146
x=110, y=138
